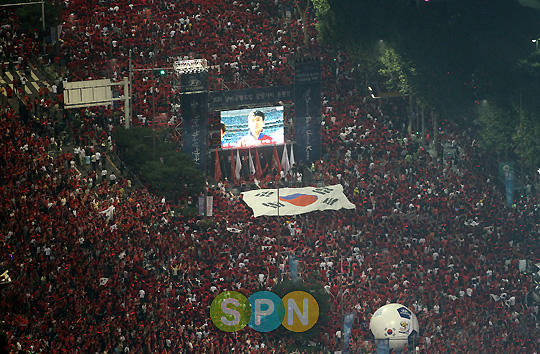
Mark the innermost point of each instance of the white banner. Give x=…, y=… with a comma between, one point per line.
x=209, y=205
x=294, y=201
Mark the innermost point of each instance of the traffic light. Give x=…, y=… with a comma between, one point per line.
x=160, y=72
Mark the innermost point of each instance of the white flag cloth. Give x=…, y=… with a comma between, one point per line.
x=108, y=212
x=285, y=161
x=522, y=265
x=294, y=201
x=238, y=165
x=251, y=164
x=291, y=160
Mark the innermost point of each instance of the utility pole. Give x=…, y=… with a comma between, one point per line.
x=278, y=236
x=154, y=106
x=342, y=313
x=521, y=142
x=128, y=116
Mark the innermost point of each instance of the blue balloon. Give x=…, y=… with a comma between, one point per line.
x=267, y=311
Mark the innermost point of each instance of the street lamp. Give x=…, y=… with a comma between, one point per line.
x=535, y=41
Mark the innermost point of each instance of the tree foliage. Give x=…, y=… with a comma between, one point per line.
x=526, y=76
x=326, y=21
x=498, y=127
x=399, y=73
x=463, y=52
x=526, y=138
x=303, y=8
x=172, y=173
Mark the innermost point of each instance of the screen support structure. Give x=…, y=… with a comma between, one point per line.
x=190, y=66
x=193, y=78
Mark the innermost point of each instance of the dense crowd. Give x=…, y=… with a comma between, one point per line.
x=16, y=47
x=246, y=44
x=105, y=267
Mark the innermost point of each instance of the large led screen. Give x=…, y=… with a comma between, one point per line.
x=243, y=128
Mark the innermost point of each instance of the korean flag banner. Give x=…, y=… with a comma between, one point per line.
x=294, y=201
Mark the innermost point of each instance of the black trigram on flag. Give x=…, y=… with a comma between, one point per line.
x=322, y=191
x=264, y=194
x=330, y=201
x=274, y=205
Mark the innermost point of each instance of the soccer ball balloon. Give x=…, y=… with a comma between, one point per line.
x=396, y=323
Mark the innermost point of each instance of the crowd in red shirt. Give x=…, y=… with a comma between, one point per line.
x=113, y=269
x=246, y=44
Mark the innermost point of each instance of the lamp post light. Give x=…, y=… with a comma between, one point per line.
x=535, y=41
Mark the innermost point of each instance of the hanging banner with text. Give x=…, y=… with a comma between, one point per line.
x=307, y=110
x=218, y=100
x=195, y=126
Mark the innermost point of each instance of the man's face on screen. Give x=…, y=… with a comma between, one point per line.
x=256, y=125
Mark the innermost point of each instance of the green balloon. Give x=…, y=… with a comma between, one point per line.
x=230, y=311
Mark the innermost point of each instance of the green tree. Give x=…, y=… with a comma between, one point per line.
x=398, y=72
x=526, y=83
x=522, y=99
x=303, y=8
x=400, y=76
x=497, y=129
x=326, y=21
x=526, y=138
x=171, y=174
x=135, y=146
x=462, y=50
